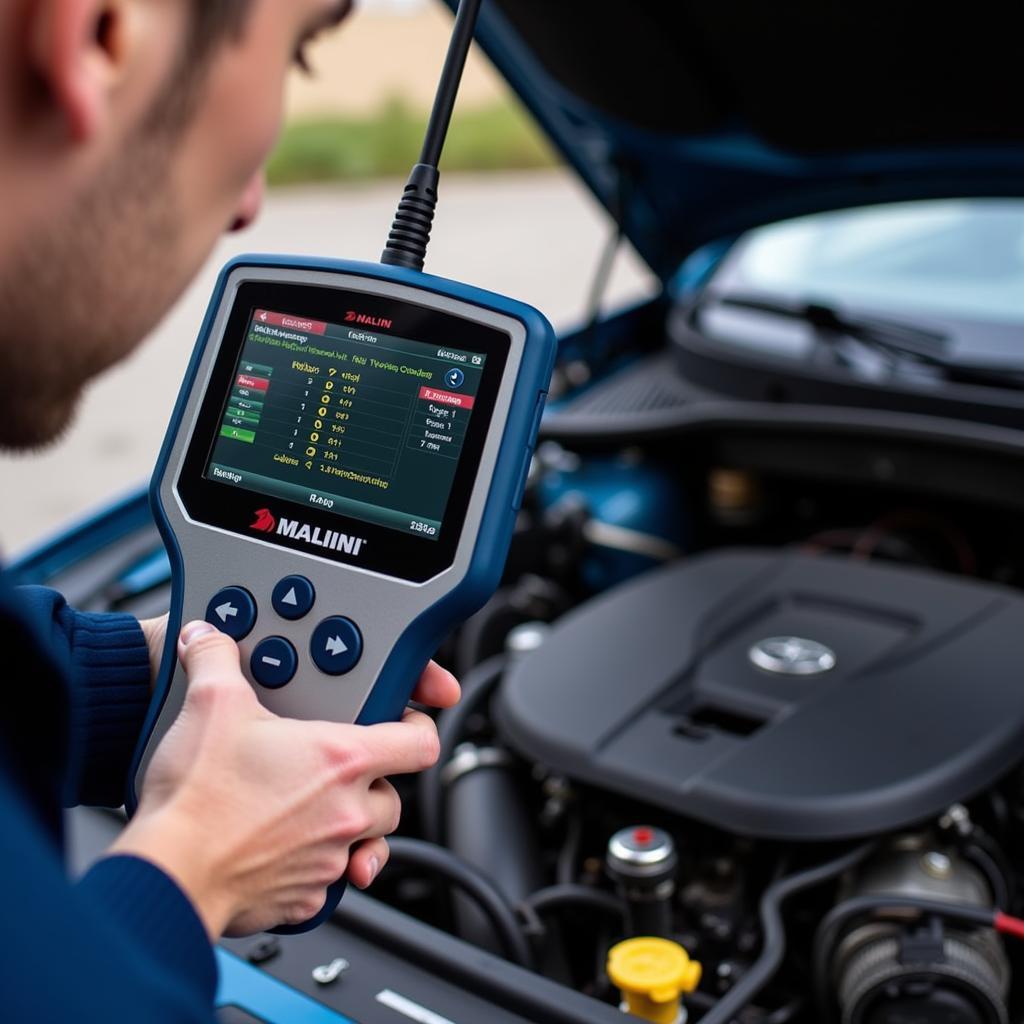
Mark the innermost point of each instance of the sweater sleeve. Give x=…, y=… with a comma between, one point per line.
x=106, y=663
x=122, y=944
x=149, y=908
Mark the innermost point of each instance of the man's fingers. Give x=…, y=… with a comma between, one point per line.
x=366, y=862
x=410, y=745
x=385, y=810
x=392, y=748
x=437, y=687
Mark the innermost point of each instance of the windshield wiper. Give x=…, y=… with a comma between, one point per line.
x=893, y=338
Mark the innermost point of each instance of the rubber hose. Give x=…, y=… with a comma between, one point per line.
x=477, y=687
x=564, y=897
x=439, y=861
x=489, y=825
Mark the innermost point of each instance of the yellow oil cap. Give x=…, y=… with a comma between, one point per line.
x=653, y=974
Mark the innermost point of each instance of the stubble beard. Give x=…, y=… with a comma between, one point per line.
x=83, y=289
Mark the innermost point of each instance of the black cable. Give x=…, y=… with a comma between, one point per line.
x=993, y=862
x=533, y=926
x=773, y=946
x=477, y=687
x=410, y=230
x=985, y=860
x=439, y=861
x=559, y=897
x=837, y=919
x=451, y=76
x=581, y=899
x=565, y=866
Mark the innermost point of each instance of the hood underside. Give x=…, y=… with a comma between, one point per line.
x=693, y=122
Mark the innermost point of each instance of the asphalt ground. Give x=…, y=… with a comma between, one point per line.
x=535, y=236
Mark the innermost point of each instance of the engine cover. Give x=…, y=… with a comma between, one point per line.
x=780, y=696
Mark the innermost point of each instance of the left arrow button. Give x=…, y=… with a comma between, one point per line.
x=233, y=611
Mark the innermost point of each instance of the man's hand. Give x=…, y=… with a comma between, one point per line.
x=155, y=632
x=255, y=815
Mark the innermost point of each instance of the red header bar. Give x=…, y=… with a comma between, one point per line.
x=296, y=323
x=254, y=383
x=446, y=398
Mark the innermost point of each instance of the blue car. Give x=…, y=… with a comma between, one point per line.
x=749, y=698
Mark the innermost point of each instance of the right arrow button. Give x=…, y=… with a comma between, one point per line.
x=336, y=645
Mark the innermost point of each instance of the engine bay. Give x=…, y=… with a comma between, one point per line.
x=749, y=685
x=775, y=651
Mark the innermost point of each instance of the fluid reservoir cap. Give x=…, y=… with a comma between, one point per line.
x=653, y=974
x=641, y=850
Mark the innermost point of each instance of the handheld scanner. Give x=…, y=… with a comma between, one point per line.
x=340, y=480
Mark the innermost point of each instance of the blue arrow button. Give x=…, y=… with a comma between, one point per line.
x=233, y=611
x=336, y=645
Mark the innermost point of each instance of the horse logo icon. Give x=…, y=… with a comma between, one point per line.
x=264, y=521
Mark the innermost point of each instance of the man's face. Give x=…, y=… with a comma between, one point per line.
x=121, y=203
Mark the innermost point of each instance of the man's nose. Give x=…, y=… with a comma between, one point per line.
x=250, y=203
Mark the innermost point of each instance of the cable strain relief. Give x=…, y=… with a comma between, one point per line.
x=410, y=230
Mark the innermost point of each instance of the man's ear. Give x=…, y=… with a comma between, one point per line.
x=76, y=48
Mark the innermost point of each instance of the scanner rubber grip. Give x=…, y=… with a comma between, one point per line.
x=334, y=894
x=388, y=700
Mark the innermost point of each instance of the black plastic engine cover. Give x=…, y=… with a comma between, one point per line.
x=651, y=690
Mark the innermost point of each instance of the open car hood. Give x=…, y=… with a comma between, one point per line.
x=693, y=122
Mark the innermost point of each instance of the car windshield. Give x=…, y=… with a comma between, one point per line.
x=952, y=266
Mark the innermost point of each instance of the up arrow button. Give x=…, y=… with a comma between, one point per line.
x=336, y=645
x=293, y=597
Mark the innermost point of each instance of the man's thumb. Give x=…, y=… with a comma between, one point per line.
x=208, y=654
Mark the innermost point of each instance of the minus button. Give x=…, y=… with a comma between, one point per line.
x=273, y=662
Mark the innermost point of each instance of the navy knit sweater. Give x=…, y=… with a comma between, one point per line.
x=123, y=943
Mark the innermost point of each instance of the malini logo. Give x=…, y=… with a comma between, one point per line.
x=352, y=317
x=264, y=521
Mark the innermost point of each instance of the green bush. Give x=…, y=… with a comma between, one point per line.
x=499, y=137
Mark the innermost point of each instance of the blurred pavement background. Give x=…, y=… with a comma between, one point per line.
x=388, y=48
x=535, y=235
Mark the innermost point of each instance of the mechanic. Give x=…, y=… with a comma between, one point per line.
x=132, y=132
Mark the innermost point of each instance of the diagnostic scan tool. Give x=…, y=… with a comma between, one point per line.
x=340, y=480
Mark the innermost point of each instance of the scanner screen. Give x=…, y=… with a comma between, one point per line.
x=348, y=418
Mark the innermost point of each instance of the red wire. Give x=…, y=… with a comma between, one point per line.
x=1008, y=925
